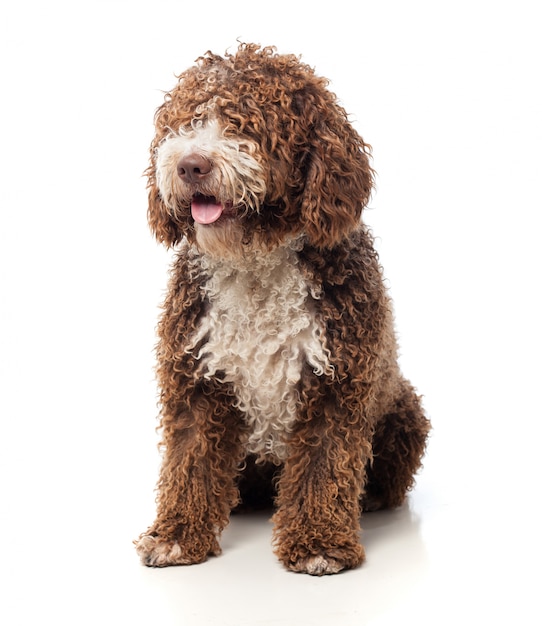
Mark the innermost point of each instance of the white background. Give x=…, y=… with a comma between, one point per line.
x=449, y=95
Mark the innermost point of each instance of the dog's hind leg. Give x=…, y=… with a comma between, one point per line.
x=398, y=446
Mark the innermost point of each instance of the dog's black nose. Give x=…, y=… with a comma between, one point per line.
x=193, y=167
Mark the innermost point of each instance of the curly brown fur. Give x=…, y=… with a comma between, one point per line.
x=277, y=358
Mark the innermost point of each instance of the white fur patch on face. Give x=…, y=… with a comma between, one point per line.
x=261, y=330
x=236, y=175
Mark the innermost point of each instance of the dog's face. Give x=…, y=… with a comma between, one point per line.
x=251, y=151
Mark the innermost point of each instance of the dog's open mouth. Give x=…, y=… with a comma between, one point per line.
x=208, y=209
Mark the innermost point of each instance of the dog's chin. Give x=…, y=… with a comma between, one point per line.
x=223, y=239
x=218, y=227
x=237, y=238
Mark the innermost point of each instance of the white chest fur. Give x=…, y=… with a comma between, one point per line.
x=261, y=330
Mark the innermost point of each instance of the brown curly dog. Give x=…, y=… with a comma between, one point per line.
x=277, y=358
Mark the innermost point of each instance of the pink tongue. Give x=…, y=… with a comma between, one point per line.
x=205, y=210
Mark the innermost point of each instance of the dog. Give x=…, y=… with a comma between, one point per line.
x=277, y=358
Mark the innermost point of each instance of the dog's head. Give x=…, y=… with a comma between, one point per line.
x=252, y=150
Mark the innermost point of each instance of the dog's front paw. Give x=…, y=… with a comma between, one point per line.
x=333, y=562
x=155, y=551
x=317, y=565
x=319, y=558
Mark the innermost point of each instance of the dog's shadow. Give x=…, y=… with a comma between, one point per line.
x=393, y=539
x=248, y=526
x=401, y=525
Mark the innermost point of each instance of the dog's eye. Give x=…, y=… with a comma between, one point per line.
x=233, y=126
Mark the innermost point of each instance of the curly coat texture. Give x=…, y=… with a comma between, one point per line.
x=277, y=360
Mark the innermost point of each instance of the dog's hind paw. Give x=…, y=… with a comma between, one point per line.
x=155, y=551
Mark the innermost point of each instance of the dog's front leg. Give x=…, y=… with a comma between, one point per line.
x=317, y=522
x=196, y=490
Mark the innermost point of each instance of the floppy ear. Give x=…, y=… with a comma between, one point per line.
x=164, y=227
x=339, y=178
